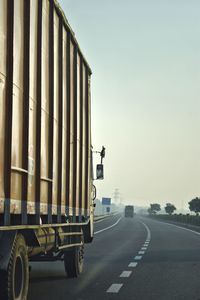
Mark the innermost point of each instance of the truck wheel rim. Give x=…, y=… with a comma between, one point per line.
x=81, y=254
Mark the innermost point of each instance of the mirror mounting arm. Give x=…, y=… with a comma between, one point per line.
x=102, y=153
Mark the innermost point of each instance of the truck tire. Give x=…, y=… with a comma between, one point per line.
x=74, y=261
x=14, y=282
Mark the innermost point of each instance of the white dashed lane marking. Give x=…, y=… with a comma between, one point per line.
x=144, y=248
x=138, y=257
x=125, y=274
x=114, y=288
x=133, y=264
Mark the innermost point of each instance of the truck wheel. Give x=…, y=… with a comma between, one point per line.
x=74, y=261
x=14, y=282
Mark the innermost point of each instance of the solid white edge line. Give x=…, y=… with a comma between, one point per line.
x=108, y=227
x=114, y=288
x=198, y=233
x=125, y=274
x=100, y=220
x=148, y=232
x=106, y=218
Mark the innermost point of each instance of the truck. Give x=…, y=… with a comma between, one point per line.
x=46, y=170
x=129, y=211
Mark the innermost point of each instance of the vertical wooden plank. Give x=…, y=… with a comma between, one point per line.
x=75, y=133
x=17, y=110
x=83, y=137
x=9, y=110
x=25, y=109
x=60, y=118
x=89, y=148
x=81, y=205
x=71, y=115
x=68, y=108
x=44, y=171
x=56, y=115
x=51, y=106
x=32, y=105
x=86, y=142
x=38, y=114
x=3, y=55
x=64, y=131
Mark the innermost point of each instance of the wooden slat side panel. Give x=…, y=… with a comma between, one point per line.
x=51, y=153
x=71, y=172
x=84, y=141
x=56, y=106
x=64, y=131
x=78, y=114
x=89, y=178
x=68, y=122
x=45, y=107
x=8, y=110
x=17, y=127
x=32, y=106
x=80, y=131
x=3, y=71
x=26, y=111
x=51, y=107
x=75, y=133
x=38, y=112
x=60, y=116
x=3, y=36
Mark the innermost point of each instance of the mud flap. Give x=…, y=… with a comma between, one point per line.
x=88, y=233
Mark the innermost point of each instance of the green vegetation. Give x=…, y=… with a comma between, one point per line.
x=170, y=208
x=154, y=208
x=194, y=206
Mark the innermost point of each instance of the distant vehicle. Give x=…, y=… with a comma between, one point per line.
x=129, y=211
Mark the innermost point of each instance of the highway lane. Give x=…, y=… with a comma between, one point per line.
x=170, y=269
x=137, y=258
x=104, y=259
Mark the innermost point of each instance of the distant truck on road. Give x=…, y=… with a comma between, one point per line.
x=129, y=211
x=46, y=173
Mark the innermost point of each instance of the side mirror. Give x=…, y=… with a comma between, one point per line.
x=99, y=172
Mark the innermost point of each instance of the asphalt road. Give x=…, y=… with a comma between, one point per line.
x=133, y=259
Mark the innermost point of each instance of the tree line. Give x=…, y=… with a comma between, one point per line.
x=194, y=206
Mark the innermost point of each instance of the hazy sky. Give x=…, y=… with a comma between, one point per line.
x=145, y=58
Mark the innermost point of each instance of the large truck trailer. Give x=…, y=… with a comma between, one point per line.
x=46, y=181
x=129, y=211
